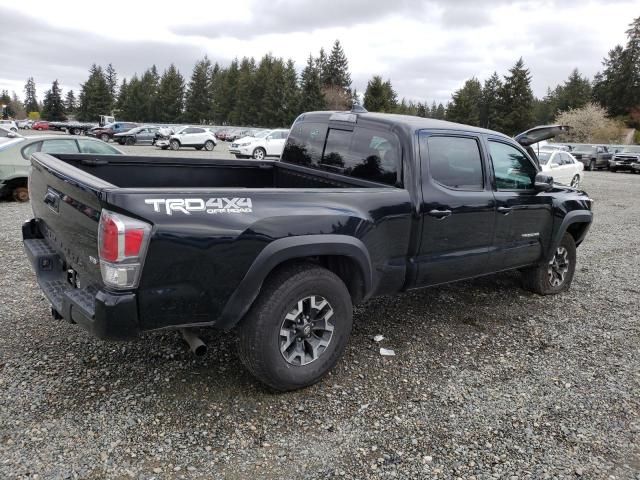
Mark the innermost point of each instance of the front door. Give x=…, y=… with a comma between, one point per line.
x=458, y=209
x=524, y=216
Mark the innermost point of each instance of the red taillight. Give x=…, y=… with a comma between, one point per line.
x=109, y=239
x=133, y=242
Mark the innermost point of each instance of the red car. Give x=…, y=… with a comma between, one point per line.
x=40, y=125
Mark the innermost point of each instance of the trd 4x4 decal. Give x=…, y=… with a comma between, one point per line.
x=191, y=205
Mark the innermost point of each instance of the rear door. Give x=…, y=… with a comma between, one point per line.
x=458, y=208
x=524, y=216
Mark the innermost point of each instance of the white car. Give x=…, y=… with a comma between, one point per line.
x=196, y=137
x=562, y=166
x=24, y=124
x=268, y=143
x=10, y=124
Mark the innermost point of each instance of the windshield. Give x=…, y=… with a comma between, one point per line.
x=544, y=157
x=631, y=150
x=262, y=134
x=584, y=149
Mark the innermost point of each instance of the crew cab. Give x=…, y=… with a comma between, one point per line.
x=195, y=137
x=359, y=205
x=592, y=156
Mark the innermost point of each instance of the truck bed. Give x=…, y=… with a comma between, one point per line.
x=160, y=172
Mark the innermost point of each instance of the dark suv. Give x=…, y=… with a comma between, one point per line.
x=107, y=132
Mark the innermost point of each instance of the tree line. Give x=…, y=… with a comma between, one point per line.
x=269, y=93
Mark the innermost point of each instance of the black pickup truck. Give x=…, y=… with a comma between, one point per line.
x=359, y=205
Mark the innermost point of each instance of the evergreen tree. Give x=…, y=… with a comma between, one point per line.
x=291, y=94
x=321, y=64
x=5, y=100
x=95, y=98
x=121, y=103
x=30, y=98
x=545, y=110
x=379, y=96
x=516, y=101
x=170, y=96
x=227, y=97
x=216, y=80
x=441, y=112
x=112, y=82
x=246, y=107
x=53, y=106
x=466, y=103
x=490, y=101
x=272, y=113
x=337, y=68
x=197, y=102
x=575, y=93
x=133, y=100
x=70, y=104
x=149, y=95
x=311, y=97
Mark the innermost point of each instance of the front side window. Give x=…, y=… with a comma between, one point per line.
x=512, y=169
x=455, y=162
x=59, y=146
x=99, y=148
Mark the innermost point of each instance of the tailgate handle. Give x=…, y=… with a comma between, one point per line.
x=93, y=161
x=52, y=199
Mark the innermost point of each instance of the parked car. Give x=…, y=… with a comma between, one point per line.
x=562, y=166
x=592, y=156
x=24, y=124
x=40, y=125
x=6, y=133
x=269, y=143
x=107, y=132
x=196, y=137
x=14, y=158
x=624, y=160
x=237, y=133
x=360, y=205
x=9, y=124
x=137, y=136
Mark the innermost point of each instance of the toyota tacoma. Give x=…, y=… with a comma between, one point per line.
x=359, y=205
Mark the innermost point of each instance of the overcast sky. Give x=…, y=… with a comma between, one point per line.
x=427, y=48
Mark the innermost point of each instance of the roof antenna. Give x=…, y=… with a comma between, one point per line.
x=357, y=108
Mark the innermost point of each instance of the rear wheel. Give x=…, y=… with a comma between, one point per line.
x=174, y=144
x=75, y=131
x=20, y=194
x=555, y=276
x=209, y=145
x=104, y=137
x=298, y=327
x=592, y=165
x=259, y=153
x=131, y=141
x=121, y=141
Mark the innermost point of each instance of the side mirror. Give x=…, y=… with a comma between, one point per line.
x=543, y=183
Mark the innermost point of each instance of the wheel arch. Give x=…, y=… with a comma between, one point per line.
x=345, y=256
x=577, y=224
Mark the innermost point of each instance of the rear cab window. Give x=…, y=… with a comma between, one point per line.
x=454, y=161
x=363, y=152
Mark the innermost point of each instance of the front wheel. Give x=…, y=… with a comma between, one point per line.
x=131, y=141
x=556, y=275
x=209, y=145
x=174, y=144
x=575, y=182
x=259, y=153
x=104, y=137
x=298, y=327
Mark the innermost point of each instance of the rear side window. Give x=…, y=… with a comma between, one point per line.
x=455, y=162
x=29, y=149
x=59, y=146
x=305, y=144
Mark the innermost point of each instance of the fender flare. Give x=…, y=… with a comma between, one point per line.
x=575, y=216
x=291, y=248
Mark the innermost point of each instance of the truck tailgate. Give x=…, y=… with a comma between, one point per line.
x=66, y=204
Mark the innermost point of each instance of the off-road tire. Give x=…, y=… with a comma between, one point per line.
x=537, y=279
x=259, y=334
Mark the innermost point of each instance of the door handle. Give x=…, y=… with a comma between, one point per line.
x=504, y=210
x=440, y=214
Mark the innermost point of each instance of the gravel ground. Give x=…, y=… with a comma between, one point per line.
x=488, y=381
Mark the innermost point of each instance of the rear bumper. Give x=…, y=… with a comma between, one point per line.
x=104, y=314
